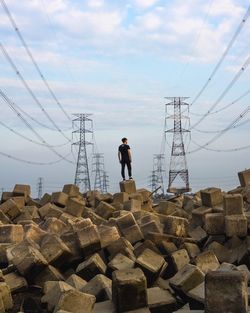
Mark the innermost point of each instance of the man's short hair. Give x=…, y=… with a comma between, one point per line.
x=124, y=139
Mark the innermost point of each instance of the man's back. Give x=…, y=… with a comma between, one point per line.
x=123, y=149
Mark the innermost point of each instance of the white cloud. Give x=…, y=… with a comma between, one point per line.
x=144, y=4
x=96, y=3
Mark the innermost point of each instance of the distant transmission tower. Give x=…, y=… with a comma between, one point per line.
x=105, y=182
x=40, y=187
x=153, y=181
x=84, y=127
x=158, y=169
x=178, y=170
x=98, y=169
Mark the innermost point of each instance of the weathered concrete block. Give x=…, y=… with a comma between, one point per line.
x=187, y=278
x=198, y=215
x=105, y=210
x=166, y=207
x=11, y=233
x=108, y=235
x=129, y=290
x=133, y=234
x=22, y=190
x=54, y=226
x=207, y=261
x=34, y=233
x=120, y=262
x=75, y=207
x=244, y=178
x=50, y=210
x=125, y=221
x=91, y=267
x=160, y=301
x=192, y=249
x=211, y=197
x=226, y=291
x=16, y=282
x=46, y=198
x=104, y=307
x=233, y=204
x=5, y=295
x=215, y=223
x=89, y=240
x=179, y=259
x=151, y=264
x=122, y=245
x=152, y=226
x=76, y=282
x=236, y=225
x=6, y=195
x=75, y=301
x=120, y=197
x=71, y=190
x=176, y=226
x=128, y=186
x=132, y=205
x=99, y=286
x=59, y=198
x=10, y=209
x=49, y=273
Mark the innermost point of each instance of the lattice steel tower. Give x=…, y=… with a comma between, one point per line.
x=85, y=130
x=105, y=182
x=158, y=169
x=98, y=169
x=40, y=187
x=178, y=170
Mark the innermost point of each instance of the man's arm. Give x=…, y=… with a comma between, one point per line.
x=119, y=156
x=129, y=155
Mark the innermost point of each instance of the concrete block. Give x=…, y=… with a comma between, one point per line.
x=89, y=240
x=160, y=301
x=6, y=195
x=244, y=178
x=91, y=267
x=176, y=226
x=50, y=210
x=11, y=233
x=125, y=221
x=20, y=201
x=136, y=196
x=59, y=198
x=198, y=234
x=108, y=235
x=215, y=223
x=132, y=205
x=49, y=273
x=5, y=295
x=122, y=245
x=133, y=234
x=128, y=186
x=152, y=226
x=129, y=290
x=120, y=262
x=120, y=197
x=34, y=233
x=222, y=253
x=151, y=264
x=75, y=207
x=71, y=190
x=76, y=281
x=226, y=291
x=54, y=226
x=236, y=225
x=104, y=210
x=207, y=261
x=211, y=197
x=198, y=215
x=10, y=209
x=233, y=204
x=179, y=259
x=187, y=278
x=192, y=249
x=99, y=286
x=166, y=207
x=46, y=198
x=104, y=307
x=22, y=190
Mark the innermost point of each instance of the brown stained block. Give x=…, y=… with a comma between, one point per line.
x=187, y=278
x=49, y=273
x=192, y=249
x=89, y=240
x=70, y=239
x=176, y=226
x=236, y=225
x=104, y=210
x=226, y=291
x=133, y=234
x=54, y=226
x=120, y=197
x=198, y=234
x=125, y=221
x=132, y=205
x=211, y=197
x=10, y=209
x=59, y=198
x=215, y=223
x=5, y=295
x=122, y=245
x=54, y=250
x=46, y=198
x=75, y=301
x=50, y=210
x=71, y=190
x=152, y=226
x=4, y=218
x=233, y=204
x=207, y=261
x=6, y=195
x=75, y=207
x=151, y=264
x=104, y=307
x=120, y=262
x=222, y=253
x=11, y=233
x=129, y=290
x=34, y=232
x=166, y=207
x=99, y=286
x=244, y=178
x=76, y=282
x=160, y=301
x=91, y=267
x=20, y=201
x=179, y=259
x=128, y=186
x=108, y=235
x=199, y=214
x=16, y=282
x=22, y=190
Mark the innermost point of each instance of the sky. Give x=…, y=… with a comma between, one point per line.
x=118, y=60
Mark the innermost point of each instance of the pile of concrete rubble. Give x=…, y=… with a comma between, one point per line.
x=105, y=253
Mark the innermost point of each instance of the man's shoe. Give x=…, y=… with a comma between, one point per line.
x=131, y=177
x=124, y=179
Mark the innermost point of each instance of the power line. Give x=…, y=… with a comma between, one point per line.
x=230, y=85
x=217, y=66
x=9, y=103
x=18, y=32
x=5, y=53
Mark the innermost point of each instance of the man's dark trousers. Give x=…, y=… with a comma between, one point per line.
x=128, y=163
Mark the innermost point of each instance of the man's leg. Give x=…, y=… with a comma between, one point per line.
x=123, y=169
x=129, y=169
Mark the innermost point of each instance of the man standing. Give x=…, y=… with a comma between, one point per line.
x=124, y=156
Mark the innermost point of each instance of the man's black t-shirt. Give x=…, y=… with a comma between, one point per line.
x=124, y=152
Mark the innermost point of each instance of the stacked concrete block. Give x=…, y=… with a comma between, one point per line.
x=128, y=186
x=244, y=178
x=211, y=197
x=215, y=223
x=91, y=267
